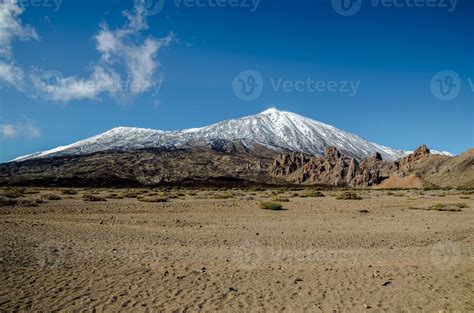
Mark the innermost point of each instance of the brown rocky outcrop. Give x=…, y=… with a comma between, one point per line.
x=333, y=168
x=286, y=164
x=419, y=169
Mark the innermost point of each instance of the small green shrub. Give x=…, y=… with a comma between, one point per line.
x=274, y=206
x=438, y=206
x=442, y=207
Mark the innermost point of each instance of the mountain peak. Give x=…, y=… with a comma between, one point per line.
x=277, y=130
x=271, y=111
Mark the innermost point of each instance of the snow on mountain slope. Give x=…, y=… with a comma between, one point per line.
x=272, y=128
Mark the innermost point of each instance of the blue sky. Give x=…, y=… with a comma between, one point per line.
x=71, y=69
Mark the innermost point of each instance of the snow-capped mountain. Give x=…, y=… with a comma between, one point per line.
x=274, y=129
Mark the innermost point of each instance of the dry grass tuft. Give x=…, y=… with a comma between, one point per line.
x=153, y=199
x=69, y=192
x=93, y=198
x=348, y=195
x=52, y=197
x=312, y=194
x=268, y=205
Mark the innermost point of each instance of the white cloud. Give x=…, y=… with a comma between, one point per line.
x=11, y=28
x=127, y=66
x=51, y=85
x=21, y=129
x=12, y=75
x=8, y=131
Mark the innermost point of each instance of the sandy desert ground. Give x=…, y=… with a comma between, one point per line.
x=208, y=250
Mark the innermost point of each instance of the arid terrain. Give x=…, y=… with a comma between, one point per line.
x=186, y=250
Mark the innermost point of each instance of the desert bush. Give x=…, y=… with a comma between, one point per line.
x=465, y=197
x=461, y=205
x=347, y=195
x=31, y=191
x=153, y=199
x=221, y=196
x=11, y=202
x=447, y=207
x=274, y=206
x=69, y=192
x=312, y=194
x=114, y=196
x=89, y=197
x=52, y=197
x=15, y=193
x=4, y=201
x=131, y=194
x=280, y=199
x=256, y=189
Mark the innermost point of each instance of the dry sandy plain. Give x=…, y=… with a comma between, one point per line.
x=399, y=251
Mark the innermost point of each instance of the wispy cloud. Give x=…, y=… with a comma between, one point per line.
x=11, y=29
x=127, y=66
x=128, y=63
x=24, y=129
